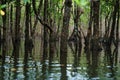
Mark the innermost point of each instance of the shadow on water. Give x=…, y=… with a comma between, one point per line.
x=111, y=58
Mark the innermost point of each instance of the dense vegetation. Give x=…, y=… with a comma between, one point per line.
x=70, y=22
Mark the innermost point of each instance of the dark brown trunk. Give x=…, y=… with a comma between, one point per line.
x=89, y=31
x=113, y=26
x=16, y=46
x=65, y=27
x=52, y=37
x=36, y=20
x=4, y=40
x=45, y=45
x=118, y=19
x=96, y=6
x=11, y=23
x=94, y=45
x=0, y=35
x=27, y=28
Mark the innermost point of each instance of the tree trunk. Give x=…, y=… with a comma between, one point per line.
x=28, y=40
x=112, y=33
x=16, y=45
x=11, y=24
x=45, y=45
x=94, y=41
x=65, y=27
x=118, y=19
x=89, y=31
x=0, y=34
x=4, y=40
x=96, y=7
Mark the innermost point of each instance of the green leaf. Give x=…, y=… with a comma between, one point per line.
x=81, y=3
x=26, y=1
x=2, y=6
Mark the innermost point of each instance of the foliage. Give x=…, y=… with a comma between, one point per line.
x=1, y=11
x=85, y=6
x=106, y=7
x=81, y=3
x=26, y=1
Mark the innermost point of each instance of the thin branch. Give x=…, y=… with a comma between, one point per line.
x=38, y=17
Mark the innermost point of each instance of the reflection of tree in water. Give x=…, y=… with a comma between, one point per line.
x=75, y=40
x=76, y=61
x=111, y=61
x=63, y=62
x=92, y=57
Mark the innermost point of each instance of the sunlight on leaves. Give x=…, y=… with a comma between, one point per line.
x=26, y=1
x=2, y=12
x=81, y=2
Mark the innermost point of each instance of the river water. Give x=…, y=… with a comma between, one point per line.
x=87, y=65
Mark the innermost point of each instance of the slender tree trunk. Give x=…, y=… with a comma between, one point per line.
x=27, y=43
x=96, y=7
x=65, y=27
x=52, y=35
x=16, y=46
x=36, y=20
x=0, y=34
x=89, y=31
x=94, y=41
x=11, y=24
x=0, y=39
x=4, y=40
x=118, y=19
x=112, y=33
x=45, y=45
x=27, y=30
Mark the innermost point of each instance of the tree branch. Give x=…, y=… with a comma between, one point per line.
x=38, y=17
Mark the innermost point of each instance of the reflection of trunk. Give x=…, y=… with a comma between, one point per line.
x=77, y=12
x=92, y=58
x=16, y=45
x=94, y=65
x=63, y=61
x=25, y=64
x=110, y=60
x=4, y=41
x=44, y=70
x=64, y=32
x=76, y=62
